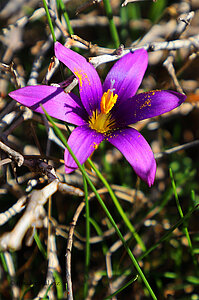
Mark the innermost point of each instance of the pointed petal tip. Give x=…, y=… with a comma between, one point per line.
x=150, y=183
x=58, y=104
x=90, y=86
x=180, y=96
x=137, y=151
x=183, y=98
x=151, y=178
x=57, y=45
x=12, y=95
x=127, y=74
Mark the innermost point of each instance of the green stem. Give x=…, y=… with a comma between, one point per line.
x=3, y=260
x=87, y=256
x=59, y=285
x=168, y=233
x=185, y=229
x=112, y=26
x=100, y=233
x=122, y=288
x=118, y=206
x=49, y=21
x=39, y=245
x=136, y=265
x=66, y=17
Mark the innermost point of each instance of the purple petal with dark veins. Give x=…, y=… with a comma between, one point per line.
x=57, y=103
x=146, y=105
x=127, y=74
x=90, y=86
x=137, y=151
x=82, y=141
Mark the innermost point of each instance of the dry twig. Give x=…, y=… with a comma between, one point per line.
x=69, y=249
x=32, y=217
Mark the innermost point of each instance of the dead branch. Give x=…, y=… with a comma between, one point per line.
x=12, y=211
x=69, y=249
x=32, y=217
x=192, y=42
x=53, y=266
x=11, y=271
x=177, y=148
x=185, y=20
x=18, y=158
x=132, y=1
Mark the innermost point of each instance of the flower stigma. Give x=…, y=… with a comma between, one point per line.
x=103, y=121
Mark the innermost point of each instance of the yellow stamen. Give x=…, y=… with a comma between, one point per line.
x=107, y=102
x=101, y=122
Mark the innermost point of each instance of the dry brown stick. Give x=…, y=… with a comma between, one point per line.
x=53, y=265
x=185, y=20
x=109, y=253
x=39, y=59
x=69, y=249
x=27, y=114
x=19, y=159
x=11, y=271
x=86, y=5
x=168, y=63
x=5, y=161
x=151, y=46
x=31, y=218
x=176, y=149
x=132, y=1
x=10, y=69
x=13, y=210
x=37, y=165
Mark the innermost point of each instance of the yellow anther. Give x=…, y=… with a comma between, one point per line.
x=101, y=122
x=107, y=101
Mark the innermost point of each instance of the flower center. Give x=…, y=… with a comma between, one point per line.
x=103, y=121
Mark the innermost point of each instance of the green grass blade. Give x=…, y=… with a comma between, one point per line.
x=26, y=291
x=5, y=267
x=113, y=29
x=46, y=294
x=49, y=21
x=122, y=288
x=157, y=9
x=66, y=17
x=185, y=229
x=166, y=236
x=100, y=233
x=119, y=207
x=87, y=257
x=59, y=285
x=39, y=245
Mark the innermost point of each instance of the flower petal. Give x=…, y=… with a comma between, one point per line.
x=89, y=82
x=147, y=105
x=137, y=151
x=127, y=73
x=82, y=141
x=57, y=103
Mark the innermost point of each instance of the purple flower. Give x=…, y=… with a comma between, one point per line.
x=104, y=111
